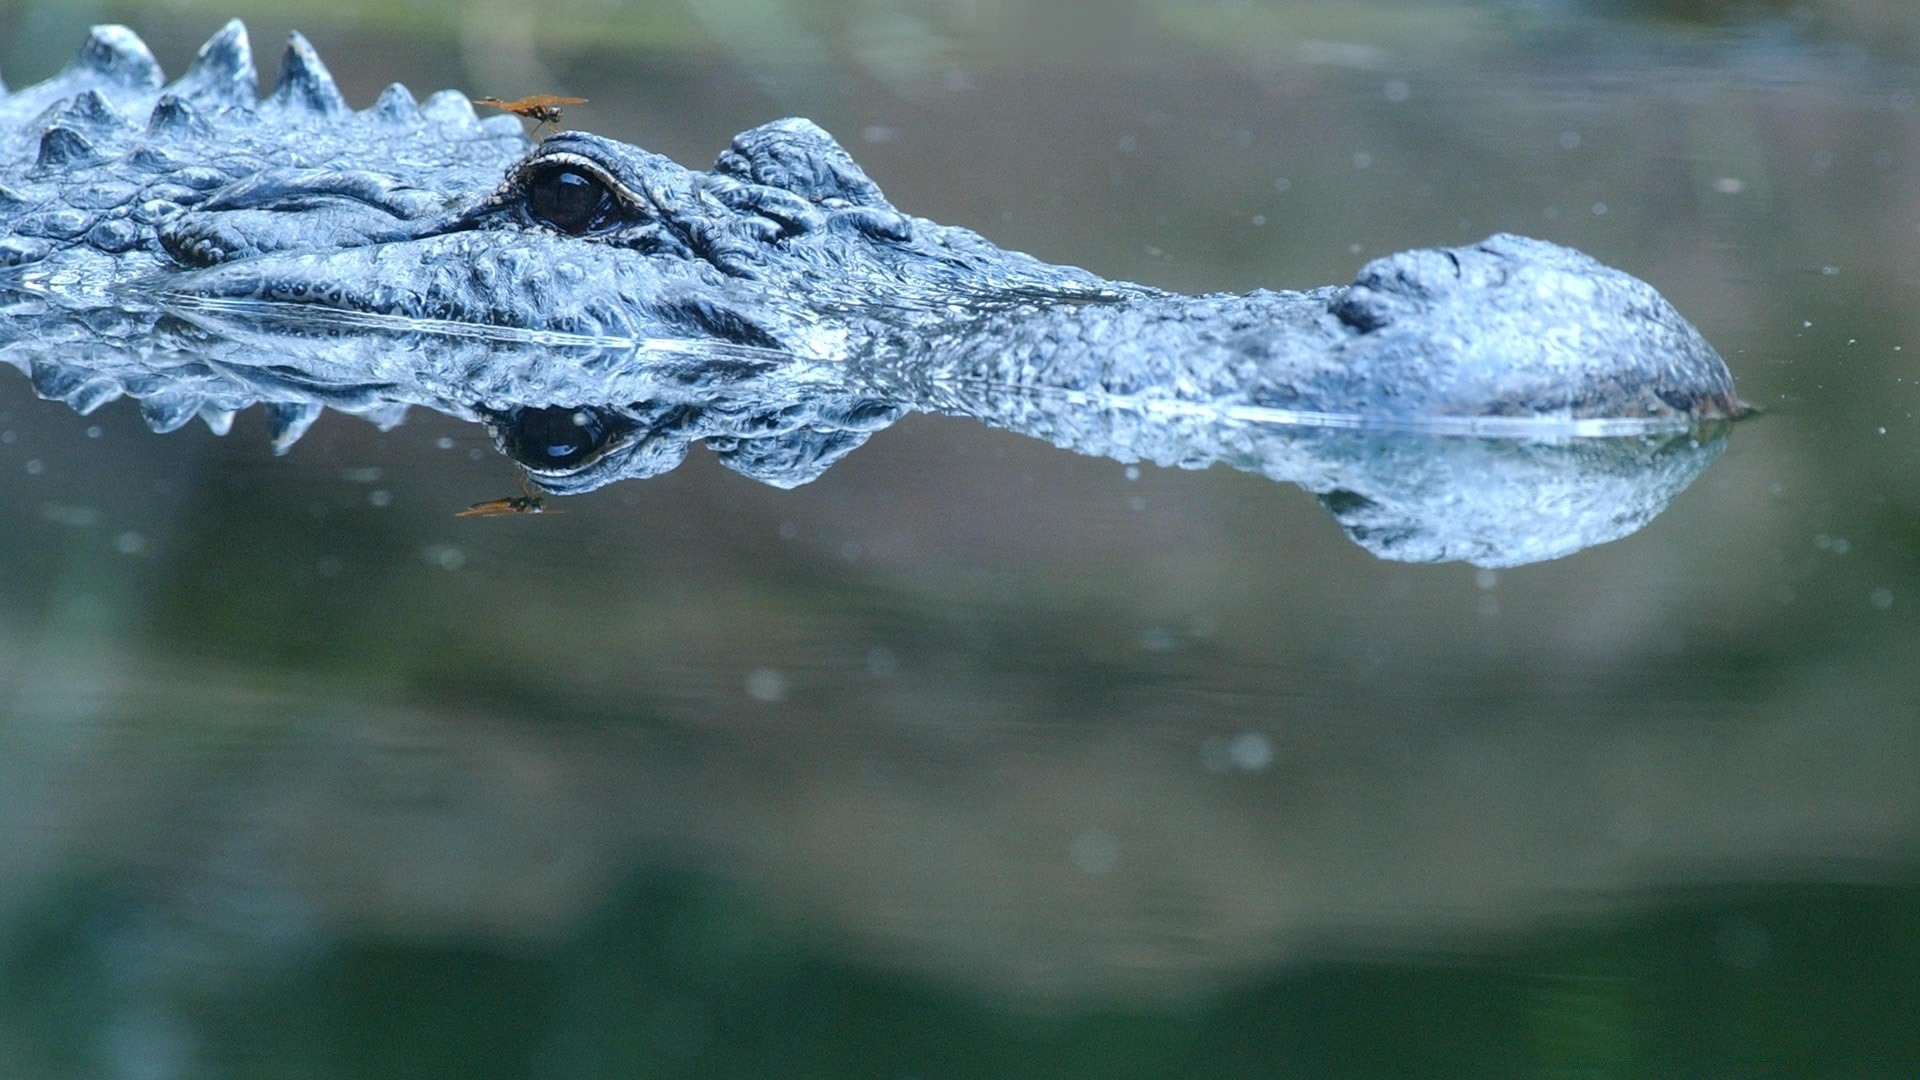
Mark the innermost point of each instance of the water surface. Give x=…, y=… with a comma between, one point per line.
x=979, y=757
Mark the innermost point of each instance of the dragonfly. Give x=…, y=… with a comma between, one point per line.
x=517, y=504
x=542, y=109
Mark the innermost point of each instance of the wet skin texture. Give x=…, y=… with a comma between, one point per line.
x=115, y=180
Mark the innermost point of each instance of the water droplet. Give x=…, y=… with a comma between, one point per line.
x=766, y=684
x=444, y=556
x=1250, y=751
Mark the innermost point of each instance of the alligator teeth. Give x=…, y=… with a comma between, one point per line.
x=169, y=410
x=396, y=106
x=305, y=83
x=116, y=55
x=222, y=74
x=288, y=420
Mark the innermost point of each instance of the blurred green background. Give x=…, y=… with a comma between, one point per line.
x=977, y=758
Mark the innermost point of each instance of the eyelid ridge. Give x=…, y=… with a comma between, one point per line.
x=621, y=193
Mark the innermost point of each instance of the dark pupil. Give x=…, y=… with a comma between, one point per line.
x=554, y=437
x=567, y=199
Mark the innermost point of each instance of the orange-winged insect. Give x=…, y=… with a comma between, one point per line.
x=542, y=109
x=518, y=504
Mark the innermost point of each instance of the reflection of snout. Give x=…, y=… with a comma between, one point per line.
x=1502, y=502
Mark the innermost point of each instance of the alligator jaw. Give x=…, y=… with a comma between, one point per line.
x=536, y=288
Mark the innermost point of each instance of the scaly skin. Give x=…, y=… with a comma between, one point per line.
x=116, y=187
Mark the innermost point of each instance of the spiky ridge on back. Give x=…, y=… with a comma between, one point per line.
x=94, y=160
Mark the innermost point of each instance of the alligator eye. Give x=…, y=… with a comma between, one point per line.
x=568, y=199
x=555, y=438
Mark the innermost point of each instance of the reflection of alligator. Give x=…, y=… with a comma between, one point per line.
x=786, y=245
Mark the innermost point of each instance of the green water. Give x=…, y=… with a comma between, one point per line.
x=975, y=757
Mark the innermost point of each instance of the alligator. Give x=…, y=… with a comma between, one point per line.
x=202, y=248
x=200, y=188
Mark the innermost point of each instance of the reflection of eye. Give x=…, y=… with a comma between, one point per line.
x=554, y=438
x=569, y=199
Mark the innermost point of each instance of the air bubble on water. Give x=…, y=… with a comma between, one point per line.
x=766, y=684
x=444, y=556
x=1250, y=751
x=1880, y=599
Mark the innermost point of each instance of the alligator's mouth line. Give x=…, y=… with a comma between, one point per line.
x=219, y=313
x=1532, y=429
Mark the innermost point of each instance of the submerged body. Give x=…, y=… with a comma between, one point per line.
x=112, y=182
